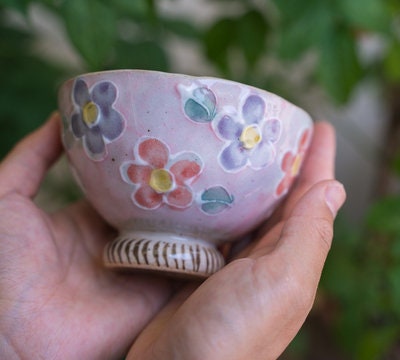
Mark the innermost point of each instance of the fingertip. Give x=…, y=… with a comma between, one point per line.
x=335, y=196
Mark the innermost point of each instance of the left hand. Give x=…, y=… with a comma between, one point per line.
x=57, y=301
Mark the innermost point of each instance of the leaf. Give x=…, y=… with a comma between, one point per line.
x=384, y=216
x=147, y=55
x=19, y=5
x=201, y=108
x=182, y=28
x=391, y=66
x=339, y=69
x=303, y=34
x=217, y=193
x=290, y=10
x=137, y=9
x=252, y=30
x=376, y=342
x=216, y=200
x=91, y=26
x=371, y=15
x=218, y=40
x=213, y=208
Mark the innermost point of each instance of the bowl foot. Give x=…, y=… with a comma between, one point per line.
x=164, y=253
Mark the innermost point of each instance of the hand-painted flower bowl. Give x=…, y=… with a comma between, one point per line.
x=179, y=164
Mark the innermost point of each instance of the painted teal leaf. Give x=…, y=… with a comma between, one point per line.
x=196, y=112
x=216, y=200
x=213, y=208
x=201, y=108
x=217, y=194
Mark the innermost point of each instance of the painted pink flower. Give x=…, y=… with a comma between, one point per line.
x=291, y=163
x=159, y=178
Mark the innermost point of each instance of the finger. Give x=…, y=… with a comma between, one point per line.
x=306, y=237
x=23, y=169
x=319, y=165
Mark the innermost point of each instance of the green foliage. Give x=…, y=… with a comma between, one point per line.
x=91, y=27
x=28, y=87
x=331, y=29
x=362, y=276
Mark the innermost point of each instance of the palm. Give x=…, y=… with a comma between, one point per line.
x=55, y=295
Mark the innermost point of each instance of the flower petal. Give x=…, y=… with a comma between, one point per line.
x=80, y=93
x=287, y=162
x=94, y=141
x=253, y=109
x=154, y=152
x=262, y=155
x=304, y=140
x=284, y=185
x=77, y=126
x=145, y=197
x=104, y=94
x=228, y=128
x=184, y=170
x=111, y=123
x=272, y=130
x=139, y=174
x=233, y=157
x=181, y=197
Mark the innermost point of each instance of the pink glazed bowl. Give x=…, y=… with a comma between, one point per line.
x=179, y=164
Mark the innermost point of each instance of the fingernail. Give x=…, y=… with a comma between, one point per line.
x=334, y=197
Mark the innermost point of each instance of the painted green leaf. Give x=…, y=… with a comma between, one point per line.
x=213, y=208
x=201, y=108
x=217, y=193
x=216, y=200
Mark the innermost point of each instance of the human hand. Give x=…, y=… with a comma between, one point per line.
x=56, y=299
x=253, y=307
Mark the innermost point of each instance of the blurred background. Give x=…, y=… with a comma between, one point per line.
x=338, y=59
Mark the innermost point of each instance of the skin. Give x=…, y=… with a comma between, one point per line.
x=58, y=302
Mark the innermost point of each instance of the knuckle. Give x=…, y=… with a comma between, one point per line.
x=323, y=231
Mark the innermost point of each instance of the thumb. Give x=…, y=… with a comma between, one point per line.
x=307, y=235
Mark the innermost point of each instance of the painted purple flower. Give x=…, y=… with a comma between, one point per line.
x=250, y=137
x=96, y=121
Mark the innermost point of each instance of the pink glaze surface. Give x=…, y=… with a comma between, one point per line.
x=203, y=157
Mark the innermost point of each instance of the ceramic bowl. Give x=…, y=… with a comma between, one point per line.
x=179, y=164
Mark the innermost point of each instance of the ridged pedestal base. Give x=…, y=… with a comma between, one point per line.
x=166, y=253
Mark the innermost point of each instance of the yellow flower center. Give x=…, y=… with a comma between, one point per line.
x=250, y=136
x=90, y=113
x=160, y=180
x=296, y=165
